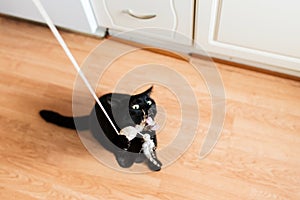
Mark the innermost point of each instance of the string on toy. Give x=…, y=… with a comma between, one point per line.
x=60, y=40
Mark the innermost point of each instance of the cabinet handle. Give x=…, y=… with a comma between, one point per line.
x=129, y=12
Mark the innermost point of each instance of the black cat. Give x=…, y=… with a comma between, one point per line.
x=124, y=110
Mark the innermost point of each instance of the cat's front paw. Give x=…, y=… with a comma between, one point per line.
x=124, y=159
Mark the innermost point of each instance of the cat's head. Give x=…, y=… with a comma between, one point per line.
x=130, y=110
x=142, y=106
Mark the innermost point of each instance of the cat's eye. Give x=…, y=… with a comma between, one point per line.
x=149, y=103
x=136, y=107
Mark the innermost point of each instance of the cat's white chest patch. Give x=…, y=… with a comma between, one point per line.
x=147, y=125
x=130, y=132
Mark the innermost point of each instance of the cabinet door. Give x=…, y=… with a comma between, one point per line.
x=125, y=15
x=259, y=33
x=72, y=14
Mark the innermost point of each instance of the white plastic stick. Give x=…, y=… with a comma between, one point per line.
x=70, y=56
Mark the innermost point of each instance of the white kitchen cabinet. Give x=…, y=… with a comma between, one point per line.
x=126, y=15
x=265, y=33
x=71, y=14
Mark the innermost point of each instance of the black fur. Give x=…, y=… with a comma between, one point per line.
x=120, y=109
x=64, y=121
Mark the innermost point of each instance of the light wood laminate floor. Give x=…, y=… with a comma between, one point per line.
x=257, y=156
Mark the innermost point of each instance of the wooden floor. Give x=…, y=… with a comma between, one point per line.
x=257, y=156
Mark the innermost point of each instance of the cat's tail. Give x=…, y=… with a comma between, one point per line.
x=82, y=123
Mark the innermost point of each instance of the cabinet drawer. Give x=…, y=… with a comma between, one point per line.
x=174, y=15
x=138, y=14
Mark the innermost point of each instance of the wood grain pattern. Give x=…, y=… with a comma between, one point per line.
x=257, y=156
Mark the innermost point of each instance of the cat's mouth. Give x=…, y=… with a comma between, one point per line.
x=148, y=121
x=149, y=115
x=149, y=124
x=144, y=117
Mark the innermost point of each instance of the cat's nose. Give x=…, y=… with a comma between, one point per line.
x=145, y=113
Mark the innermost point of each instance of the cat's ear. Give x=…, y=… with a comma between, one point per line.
x=147, y=92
